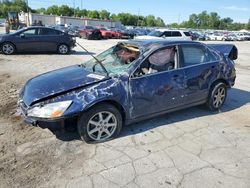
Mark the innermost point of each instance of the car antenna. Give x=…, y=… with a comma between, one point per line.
x=97, y=60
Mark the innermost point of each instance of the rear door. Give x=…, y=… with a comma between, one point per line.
x=201, y=68
x=49, y=39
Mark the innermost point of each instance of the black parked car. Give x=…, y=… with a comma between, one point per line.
x=129, y=82
x=36, y=39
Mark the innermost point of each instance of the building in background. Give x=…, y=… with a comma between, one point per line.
x=47, y=20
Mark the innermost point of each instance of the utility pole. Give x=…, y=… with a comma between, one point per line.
x=138, y=17
x=27, y=9
x=179, y=16
x=81, y=4
x=74, y=4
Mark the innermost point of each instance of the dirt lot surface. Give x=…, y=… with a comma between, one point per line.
x=188, y=148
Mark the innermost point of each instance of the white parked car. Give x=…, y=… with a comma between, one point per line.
x=243, y=36
x=216, y=36
x=167, y=34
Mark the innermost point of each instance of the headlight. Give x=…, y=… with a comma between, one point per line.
x=52, y=110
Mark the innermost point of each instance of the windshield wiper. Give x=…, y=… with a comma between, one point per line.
x=97, y=60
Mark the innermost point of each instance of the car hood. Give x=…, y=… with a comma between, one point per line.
x=57, y=82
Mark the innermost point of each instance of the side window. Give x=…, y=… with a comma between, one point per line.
x=159, y=61
x=176, y=34
x=193, y=55
x=45, y=31
x=187, y=33
x=212, y=56
x=30, y=32
x=166, y=34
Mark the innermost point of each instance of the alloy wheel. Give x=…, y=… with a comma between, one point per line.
x=8, y=48
x=63, y=49
x=101, y=126
x=219, y=97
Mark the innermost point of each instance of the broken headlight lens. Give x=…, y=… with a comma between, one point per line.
x=51, y=110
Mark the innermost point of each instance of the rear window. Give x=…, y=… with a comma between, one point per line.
x=176, y=34
x=187, y=34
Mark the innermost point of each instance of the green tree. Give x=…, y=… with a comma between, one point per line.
x=65, y=10
x=105, y=15
x=203, y=19
x=53, y=10
x=93, y=14
x=114, y=17
x=159, y=22
x=127, y=19
x=14, y=5
x=174, y=25
x=214, y=20
x=248, y=25
x=150, y=20
x=41, y=10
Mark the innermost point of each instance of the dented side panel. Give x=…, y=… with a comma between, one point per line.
x=155, y=93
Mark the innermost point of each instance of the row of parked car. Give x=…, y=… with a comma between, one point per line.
x=91, y=32
x=221, y=36
x=61, y=38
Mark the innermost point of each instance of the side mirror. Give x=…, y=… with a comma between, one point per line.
x=22, y=35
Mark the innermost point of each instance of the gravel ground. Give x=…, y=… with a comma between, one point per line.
x=188, y=148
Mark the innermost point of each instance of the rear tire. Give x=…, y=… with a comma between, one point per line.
x=99, y=124
x=217, y=96
x=8, y=48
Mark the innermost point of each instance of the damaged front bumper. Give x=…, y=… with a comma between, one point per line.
x=56, y=124
x=53, y=125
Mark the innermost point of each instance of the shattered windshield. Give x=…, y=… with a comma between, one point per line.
x=155, y=33
x=115, y=60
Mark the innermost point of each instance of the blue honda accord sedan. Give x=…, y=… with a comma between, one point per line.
x=129, y=82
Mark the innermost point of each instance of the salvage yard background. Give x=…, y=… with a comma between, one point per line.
x=188, y=148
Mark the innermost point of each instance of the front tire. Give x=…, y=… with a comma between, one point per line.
x=99, y=124
x=8, y=48
x=217, y=96
x=63, y=49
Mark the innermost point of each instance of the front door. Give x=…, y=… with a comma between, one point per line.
x=157, y=90
x=28, y=40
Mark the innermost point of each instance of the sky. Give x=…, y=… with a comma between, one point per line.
x=174, y=11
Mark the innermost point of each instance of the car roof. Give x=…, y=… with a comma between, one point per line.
x=37, y=27
x=162, y=30
x=147, y=44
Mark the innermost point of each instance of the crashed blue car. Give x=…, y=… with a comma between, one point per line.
x=132, y=81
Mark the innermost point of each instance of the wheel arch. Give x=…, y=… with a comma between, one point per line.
x=114, y=103
x=62, y=43
x=221, y=80
x=9, y=43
